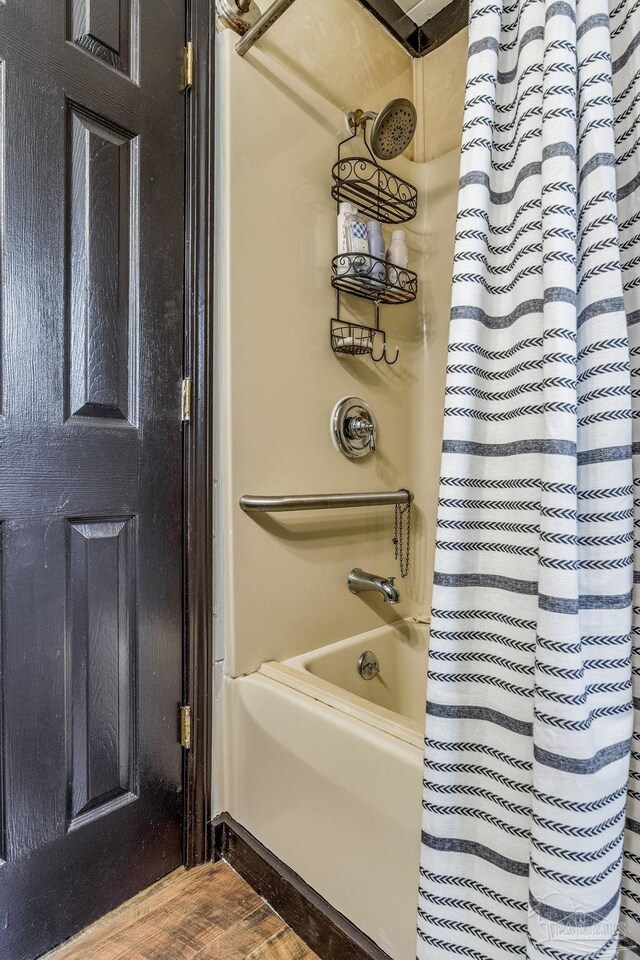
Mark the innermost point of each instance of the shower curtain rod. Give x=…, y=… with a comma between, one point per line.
x=260, y=27
x=324, y=501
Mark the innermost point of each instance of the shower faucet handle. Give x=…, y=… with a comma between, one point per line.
x=362, y=428
x=353, y=428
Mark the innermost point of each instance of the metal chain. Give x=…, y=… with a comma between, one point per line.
x=402, y=547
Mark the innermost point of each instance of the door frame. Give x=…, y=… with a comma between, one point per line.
x=198, y=482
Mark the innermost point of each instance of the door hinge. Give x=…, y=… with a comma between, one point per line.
x=187, y=390
x=185, y=727
x=187, y=66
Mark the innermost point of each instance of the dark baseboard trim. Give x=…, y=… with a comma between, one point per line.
x=326, y=931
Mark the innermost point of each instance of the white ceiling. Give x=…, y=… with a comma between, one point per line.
x=422, y=10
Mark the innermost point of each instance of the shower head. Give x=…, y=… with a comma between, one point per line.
x=392, y=130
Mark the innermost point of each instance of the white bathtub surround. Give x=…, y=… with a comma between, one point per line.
x=327, y=774
x=530, y=711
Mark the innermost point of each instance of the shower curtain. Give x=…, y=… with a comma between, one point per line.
x=531, y=809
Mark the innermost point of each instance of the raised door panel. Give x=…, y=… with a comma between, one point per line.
x=3, y=835
x=105, y=28
x=102, y=301
x=33, y=670
x=102, y=666
x=2, y=220
x=91, y=284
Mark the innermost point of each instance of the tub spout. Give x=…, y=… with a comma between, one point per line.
x=360, y=582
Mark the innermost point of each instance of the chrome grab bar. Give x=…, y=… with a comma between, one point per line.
x=324, y=501
x=260, y=27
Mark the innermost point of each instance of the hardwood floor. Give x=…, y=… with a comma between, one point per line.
x=208, y=913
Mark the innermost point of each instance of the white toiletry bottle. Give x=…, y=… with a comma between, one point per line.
x=397, y=255
x=347, y=210
x=352, y=238
x=398, y=252
x=358, y=244
x=376, y=249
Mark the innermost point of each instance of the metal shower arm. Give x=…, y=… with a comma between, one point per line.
x=260, y=27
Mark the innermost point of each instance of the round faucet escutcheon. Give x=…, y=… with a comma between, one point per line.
x=368, y=665
x=353, y=428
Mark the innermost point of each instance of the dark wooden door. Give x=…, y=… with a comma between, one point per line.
x=91, y=341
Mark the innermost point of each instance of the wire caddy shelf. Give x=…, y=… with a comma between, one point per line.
x=380, y=194
x=376, y=192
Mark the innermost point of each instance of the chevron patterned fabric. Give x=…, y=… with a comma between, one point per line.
x=531, y=805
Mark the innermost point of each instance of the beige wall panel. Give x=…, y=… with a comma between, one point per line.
x=284, y=589
x=439, y=83
x=340, y=51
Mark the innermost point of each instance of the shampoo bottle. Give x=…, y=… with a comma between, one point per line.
x=352, y=238
x=346, y=211
x=376, y=249
x=344, y=218
x=397, y=254
x=358, y=243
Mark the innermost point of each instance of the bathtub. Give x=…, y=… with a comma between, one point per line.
x=325, y=768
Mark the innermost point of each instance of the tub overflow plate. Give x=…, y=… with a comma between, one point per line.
x=368, y=665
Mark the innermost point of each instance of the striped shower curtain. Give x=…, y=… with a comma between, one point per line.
x=531, y=809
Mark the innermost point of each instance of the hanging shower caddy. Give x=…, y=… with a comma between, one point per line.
x=383, y=196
